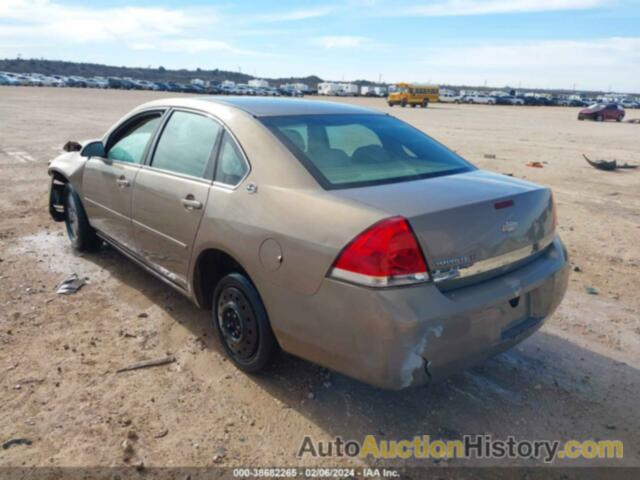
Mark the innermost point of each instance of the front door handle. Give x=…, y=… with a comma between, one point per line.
x=122, y=182
x=190, y=203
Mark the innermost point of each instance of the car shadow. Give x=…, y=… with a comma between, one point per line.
x=546, y=388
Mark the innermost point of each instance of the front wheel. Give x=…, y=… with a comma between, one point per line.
x=81, y=235
x=242, y=323
x=600, y=118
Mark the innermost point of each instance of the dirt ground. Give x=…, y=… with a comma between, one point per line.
x=578, y=378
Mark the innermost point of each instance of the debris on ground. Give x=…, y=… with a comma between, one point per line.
x=490, y=155
x=16, y=441
x=148, y=363
x=634, y=120
x=219, y=454
x=161, y=434
x=592, y=291
x=534, y=164
x=607, y=165
x=71, y=284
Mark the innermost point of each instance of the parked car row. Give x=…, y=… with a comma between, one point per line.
x=528, y=100
x=40, y=80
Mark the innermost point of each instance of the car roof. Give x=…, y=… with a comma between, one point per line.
x=268, y=107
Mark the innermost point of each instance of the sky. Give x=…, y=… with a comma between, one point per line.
x=582, y=44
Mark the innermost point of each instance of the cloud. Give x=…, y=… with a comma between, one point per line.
x=492, y=7
x=594, y=64
x=44, y=18
x=36, y=23
x=192, y=46
x=293, y=15
x=340, y=41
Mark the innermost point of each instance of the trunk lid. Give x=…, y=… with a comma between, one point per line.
x=470, y=225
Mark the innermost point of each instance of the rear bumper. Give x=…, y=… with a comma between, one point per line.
x=396, y=338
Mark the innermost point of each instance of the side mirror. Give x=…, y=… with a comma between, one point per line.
x=93, y=149
x=72, y=146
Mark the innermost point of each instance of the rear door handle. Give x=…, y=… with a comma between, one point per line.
x=191, y=203
x=122, y=182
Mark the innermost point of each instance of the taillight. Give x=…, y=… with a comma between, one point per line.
x=386, y=254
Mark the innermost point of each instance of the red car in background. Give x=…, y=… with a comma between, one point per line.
x=602, y=111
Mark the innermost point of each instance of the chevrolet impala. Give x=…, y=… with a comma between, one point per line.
x=336, y=233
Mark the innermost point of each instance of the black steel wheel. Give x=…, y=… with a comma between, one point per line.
x=81, y=235
x=242, y=323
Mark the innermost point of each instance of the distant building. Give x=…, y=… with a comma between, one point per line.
x=258, y=83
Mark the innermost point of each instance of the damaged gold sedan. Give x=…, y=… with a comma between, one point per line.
x=337, y=233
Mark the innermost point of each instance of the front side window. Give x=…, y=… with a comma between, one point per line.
x=186, y=144
x=231, y=166
x=344, y=151
x=130, y=143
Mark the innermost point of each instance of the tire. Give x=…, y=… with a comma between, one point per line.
x=413, y=105
x=425, y=104
x=242, y=323
x=390, y=104
x=81, y=235
x=619, y=119
x=599, y=118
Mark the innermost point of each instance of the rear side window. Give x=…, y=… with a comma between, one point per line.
x=231, y=166
x=130, y=144
x=186, y=144
x=345, y=151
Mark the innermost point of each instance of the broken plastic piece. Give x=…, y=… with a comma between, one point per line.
x=71, y=284
x=607, y=165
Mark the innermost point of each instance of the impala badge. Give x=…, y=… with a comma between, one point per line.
x=509, y=226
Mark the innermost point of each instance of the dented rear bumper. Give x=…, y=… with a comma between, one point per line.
x=396, y=338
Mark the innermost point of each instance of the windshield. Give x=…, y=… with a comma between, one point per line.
x=343, y=151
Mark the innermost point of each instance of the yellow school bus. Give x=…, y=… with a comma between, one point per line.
x=411, y=94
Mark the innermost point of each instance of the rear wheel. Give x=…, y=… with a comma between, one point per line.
x=242, y=323
x=413, y=105
x=425, y=103
x=619, y=119
x=81, y=235
x=403, y=103
x=600, y=118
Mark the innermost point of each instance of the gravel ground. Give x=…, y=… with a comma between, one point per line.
x=577, y=378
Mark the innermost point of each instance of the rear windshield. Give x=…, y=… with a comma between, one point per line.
x=344, y=151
